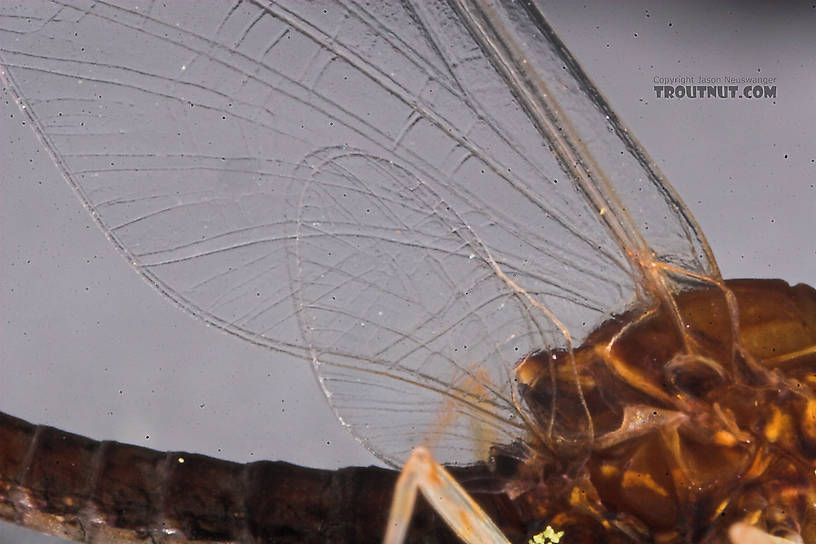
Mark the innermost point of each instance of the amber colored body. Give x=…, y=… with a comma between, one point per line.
x=689, y=432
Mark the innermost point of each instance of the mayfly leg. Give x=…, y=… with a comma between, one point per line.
x=742, y=533
x=445, y=496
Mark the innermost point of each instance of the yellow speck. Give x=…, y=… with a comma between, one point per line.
x=609, y=471
x=633, y=478
x=753, y=517
x=722, y=507
x=181, y=459
x=779, y=426
x=724, y=438
x=547, y=536
x=808, y=421
x=772, y=428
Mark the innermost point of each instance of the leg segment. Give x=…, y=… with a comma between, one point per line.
x=446, y=497
x=742, y=533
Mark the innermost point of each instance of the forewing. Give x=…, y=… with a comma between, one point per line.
x=359, y=185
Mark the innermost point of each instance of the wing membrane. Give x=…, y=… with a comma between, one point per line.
x=360, y=185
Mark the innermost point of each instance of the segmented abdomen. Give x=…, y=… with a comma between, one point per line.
x=106, y=492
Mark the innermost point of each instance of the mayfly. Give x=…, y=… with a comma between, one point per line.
x=599, y=378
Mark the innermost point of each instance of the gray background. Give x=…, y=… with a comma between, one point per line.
x=88, y=346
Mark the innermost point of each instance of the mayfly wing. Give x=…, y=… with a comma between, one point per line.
x=387, y=190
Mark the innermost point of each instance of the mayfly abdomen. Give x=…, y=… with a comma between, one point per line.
x=106, y=492
x=693, y=431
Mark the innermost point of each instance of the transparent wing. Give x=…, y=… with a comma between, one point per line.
x=374, y=187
